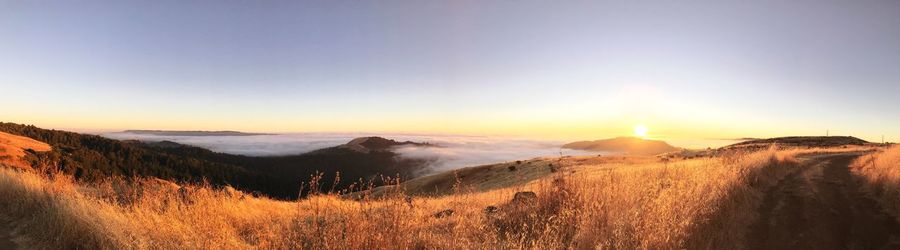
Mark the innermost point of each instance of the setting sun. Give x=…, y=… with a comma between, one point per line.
x=640, y=130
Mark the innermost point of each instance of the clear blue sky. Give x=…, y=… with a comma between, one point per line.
x=533, y=68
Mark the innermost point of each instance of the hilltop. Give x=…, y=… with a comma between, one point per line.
x=804, y=141
x=624, y=145
x=374, y=143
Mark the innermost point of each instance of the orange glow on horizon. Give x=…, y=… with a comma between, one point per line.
x=641, y=131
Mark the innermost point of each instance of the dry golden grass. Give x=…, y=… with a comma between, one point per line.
x=881, y=172
x=12, y=149
x=501, y=175
x=700, y=203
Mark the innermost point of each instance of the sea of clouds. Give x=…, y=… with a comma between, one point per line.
x=448, y=152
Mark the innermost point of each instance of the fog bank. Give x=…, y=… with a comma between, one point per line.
x=449, y=152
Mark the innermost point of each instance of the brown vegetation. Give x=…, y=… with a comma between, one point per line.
x=881, y=174
x=802, y=141
x=498, y=176
x=13, y=147
x=681, y=204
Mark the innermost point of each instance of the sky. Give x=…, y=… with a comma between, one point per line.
x=541, y=69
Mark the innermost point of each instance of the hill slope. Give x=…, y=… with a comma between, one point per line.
x=91, y=157
x=802, y=141
x=373, y=143
x=13, y=149
x=497, y=176
x=355, y=164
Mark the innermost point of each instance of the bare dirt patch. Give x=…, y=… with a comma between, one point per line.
x=7, y=238
x=822, y=206
x=6, y=241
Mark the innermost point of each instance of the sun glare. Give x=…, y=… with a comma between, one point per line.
x=640, y=131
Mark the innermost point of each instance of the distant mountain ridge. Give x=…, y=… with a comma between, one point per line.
x=624, y=145
x=191, y=133
x=813, y=141
x=374, y=143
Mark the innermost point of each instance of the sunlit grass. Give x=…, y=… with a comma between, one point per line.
x=703, y=203
x=881, y=173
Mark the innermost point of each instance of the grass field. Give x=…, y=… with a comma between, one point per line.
x=703, y=203
x=881, y=173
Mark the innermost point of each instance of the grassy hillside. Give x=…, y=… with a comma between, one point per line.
x=498, y=176
x=13, y=149
x=92, y=158
x=804, y=141
x=700, y=203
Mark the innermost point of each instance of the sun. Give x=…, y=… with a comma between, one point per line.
x=640, y=130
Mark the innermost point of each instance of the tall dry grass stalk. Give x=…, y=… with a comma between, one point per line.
x=881, y=173
x=700, y=203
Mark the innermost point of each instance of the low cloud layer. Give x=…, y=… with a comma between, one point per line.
x=458, y=152
x=450, y=152
x=256, y=145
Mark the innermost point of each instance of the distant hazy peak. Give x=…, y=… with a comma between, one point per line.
x=190, y=133
x=628, y=145
x=375, y=143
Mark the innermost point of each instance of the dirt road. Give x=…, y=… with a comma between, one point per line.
x=6, y=241
x=821, y=206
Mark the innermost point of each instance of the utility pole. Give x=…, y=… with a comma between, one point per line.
x=826, y=132
x=882, y=139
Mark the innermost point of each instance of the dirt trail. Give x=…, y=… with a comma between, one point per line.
x=6, y=241
x=821, y=206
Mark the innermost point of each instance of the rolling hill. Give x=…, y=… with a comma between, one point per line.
x=624, y=145
x=374, y=143
x=804, y=141
x=496, y=176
